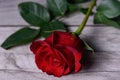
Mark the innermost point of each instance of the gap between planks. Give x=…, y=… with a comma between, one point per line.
x=39, y=71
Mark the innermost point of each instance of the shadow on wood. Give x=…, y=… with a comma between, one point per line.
x=89, y=60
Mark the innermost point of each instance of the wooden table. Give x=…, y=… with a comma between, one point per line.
x=18, y=63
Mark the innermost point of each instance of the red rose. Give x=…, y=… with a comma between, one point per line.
x=58, y=54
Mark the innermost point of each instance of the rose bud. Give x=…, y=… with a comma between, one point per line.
x=59, y=54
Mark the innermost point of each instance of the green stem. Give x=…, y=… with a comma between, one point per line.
x=81, y=27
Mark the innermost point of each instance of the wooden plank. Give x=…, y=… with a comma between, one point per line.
x=22, y=75
x=100, y=38
x=9, y=14
x=106, y=58
x=100, y=62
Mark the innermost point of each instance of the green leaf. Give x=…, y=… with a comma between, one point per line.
x=22, y=36
x=102, y=19
x=117, y=19
x=87, y=47
x=34, y=13
x=54, y=25
x=57, y=7
x=72, y=8
x=110, y=8
x=79, y=1
x=108, y=12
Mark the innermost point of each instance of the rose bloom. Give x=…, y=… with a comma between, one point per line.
x=59, y=54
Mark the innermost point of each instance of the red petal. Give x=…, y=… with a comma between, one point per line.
x=35, y=46
x=43, y=59
x=68, y=56
x=78, y=56
x=64, y=38
x=58, y=63
x=72, y=54
x=58, y=70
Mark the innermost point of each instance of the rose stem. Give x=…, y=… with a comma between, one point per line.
x=81, y=27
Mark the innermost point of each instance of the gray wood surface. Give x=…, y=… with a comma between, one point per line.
x=18, y=62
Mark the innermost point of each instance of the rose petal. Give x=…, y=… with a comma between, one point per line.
x=66, y=70
x=43, y=58
x=68, y=56
x=78, y=56
x=35, y=45
x=58, y=63
x=64, y=38
x=58, y=70
x=51, y=65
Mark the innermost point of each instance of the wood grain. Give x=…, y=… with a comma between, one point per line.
x=100, y=62
x=18, y=75
x=101, y=38
x=106, y=60
x=106, y=46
